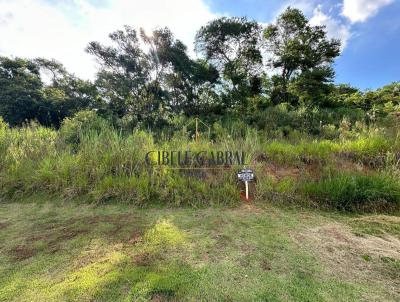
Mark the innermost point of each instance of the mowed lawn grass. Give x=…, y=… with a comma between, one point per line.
x=66, y=251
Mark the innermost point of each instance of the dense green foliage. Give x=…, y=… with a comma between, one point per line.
x=244, y=70
x=24, y=96
x=89, y=158
x=303, y=55
x=233, y=46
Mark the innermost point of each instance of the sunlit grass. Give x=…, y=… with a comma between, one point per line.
x=69, y=252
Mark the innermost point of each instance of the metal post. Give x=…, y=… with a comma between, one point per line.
x=247, y=189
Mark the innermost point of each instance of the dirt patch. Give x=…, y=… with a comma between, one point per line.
x=22, y=252
x=344, y=165
x=350, y=256
x=250, y=207
x=117, y=229
x=70, y=233
x=280, y=172
x=87, y=220
x=162, y=297
x=3, y=225
x=56, y=233
x=265, y=265
x=52, y=239
x=55, y=237
x=38, y=237
x=119, y=222
x=135, y=237
x=114, y=219
x=143, y=259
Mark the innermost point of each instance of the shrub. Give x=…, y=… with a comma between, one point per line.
x=280, y=120
x=73, y=128
x=329, y=131
x=3, y=125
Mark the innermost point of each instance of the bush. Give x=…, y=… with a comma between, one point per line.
x=356, y=192
x=82, y=122
x=281, y=120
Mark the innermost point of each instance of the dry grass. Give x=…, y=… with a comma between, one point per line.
x=355, y=257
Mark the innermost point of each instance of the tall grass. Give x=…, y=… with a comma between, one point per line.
x=103, y=165
x=88, y=157
x=356, y=192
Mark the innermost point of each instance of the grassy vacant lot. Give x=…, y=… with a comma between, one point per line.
x=52, y=250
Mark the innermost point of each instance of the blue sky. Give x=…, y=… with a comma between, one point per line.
x=61, y=29
x=371, y=57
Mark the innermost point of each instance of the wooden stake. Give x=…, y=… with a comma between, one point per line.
x=197, y=127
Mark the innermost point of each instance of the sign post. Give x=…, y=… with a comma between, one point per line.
x=246, y=175
x=246, y=183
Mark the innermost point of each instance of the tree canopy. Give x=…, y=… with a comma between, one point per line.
x=24, y=95
x=233, y=46
x=303, y=56
x=150, y=77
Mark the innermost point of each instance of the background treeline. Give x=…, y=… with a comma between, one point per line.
x=278, y=77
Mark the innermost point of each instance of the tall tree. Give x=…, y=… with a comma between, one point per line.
x=149, y=77
x=124, y=72
x=21, y=97
x=65, y=93
x=232, y=45
x=184, y=80
x=303, y=56
x=25, y=96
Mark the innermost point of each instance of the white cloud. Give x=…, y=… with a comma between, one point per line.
x=334, y=28
x=62, y=30
x=306, y=6
x=361, y=10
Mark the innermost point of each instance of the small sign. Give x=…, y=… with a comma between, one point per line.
x=246, y=175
